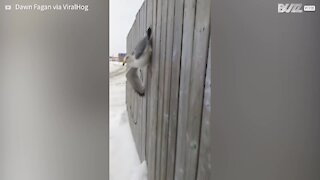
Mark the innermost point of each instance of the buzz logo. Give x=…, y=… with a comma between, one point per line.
x=290, y=8
x=295, y=8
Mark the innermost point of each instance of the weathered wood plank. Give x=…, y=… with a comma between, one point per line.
x=131, y=118
x=154, y=82
x=131, y=91
x=148, y=85
x=163, y=38
x=130, y=88
x=166, y=123
x=198, y=71
x=138, y=98
x=167, y=80
x=127, y=86
x=205, y=163
x=186, y=61
x=144, y=79
x=175, y=84
x=134, y=96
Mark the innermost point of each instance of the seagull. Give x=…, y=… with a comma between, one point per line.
x=141, y=54
x=139, y=58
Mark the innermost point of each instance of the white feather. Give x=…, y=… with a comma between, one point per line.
x=143, y=60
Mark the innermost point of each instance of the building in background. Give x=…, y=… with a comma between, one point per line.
x=121, y=56
x=118, y=58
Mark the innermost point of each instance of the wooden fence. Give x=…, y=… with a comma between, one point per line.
x=170, y=124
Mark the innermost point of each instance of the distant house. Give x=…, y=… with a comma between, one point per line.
x=113, y=58
x=121, y=56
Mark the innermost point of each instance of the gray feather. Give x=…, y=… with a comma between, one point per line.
x=135, y=81
x=140, y=48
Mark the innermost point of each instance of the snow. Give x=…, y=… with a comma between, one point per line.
x=124, y=159
x=140, y=173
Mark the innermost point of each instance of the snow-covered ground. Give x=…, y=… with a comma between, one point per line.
x=124, y=159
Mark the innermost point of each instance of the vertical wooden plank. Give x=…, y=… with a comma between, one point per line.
x=152, y=91
x=205, y=163
x=163, y=38
x=153, y=103
x=186, y=60
x=131, y=90
x=130, y=93
x=129, y=86
x=142, y=99
x=175, y=84
x=149, y=19
x=134, y=96
x=145, y=82
x=127, y=48
x=138, y=98
x=141, y=77
x=166, y=85
x=197, y=73
x=144, y=78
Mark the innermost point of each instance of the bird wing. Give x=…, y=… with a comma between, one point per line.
x=135, y=81
x=141, y=46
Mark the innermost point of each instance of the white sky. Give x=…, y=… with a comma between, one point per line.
x=122, y=15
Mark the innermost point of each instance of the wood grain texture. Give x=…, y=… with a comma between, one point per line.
x=161, y=124
x=205, y=162
x=149, y=19
x=153, y=98
x=174, y=87
x=143, y=26
x=186, y=62
x=198, y=71
x=137, y=119
x=166, y=85
x=170, y=123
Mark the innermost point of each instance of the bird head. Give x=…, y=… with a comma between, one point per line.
x=149, y=33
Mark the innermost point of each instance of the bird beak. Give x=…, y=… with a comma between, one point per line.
x=124, y=60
